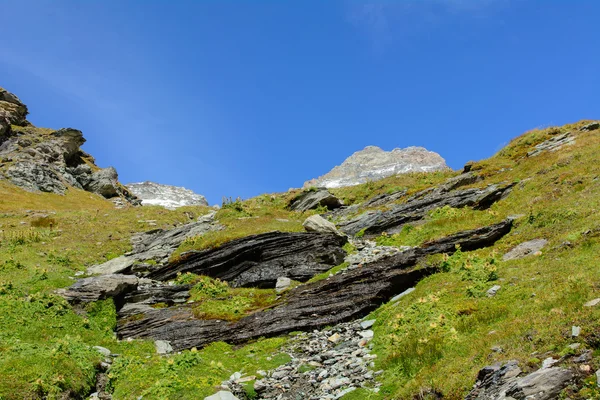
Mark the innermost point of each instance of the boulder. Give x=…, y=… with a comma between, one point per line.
x=99, y=288
x=258, y=260
x=316, y=223
x=282, y=284
x=104, y=182
x=525, y=249
x=311, y=199
x=163, y=347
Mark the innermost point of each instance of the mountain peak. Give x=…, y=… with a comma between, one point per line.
x=373, y=163
x=152, y=193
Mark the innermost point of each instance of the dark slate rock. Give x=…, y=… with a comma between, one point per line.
x=156, y=245
x=258, y=260
x=342, y=297
x=590, y=127
x=417, y=207
x=311, y=199
x=504, y=382
x=99, y=288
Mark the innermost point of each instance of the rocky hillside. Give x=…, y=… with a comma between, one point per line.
x=47, y=160
x=373, y=163
x=151, y=193
x=476, y=284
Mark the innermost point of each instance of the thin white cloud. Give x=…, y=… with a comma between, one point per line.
x=381, y=20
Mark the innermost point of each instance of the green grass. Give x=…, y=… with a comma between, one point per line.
x=437, y=337
x=214, y=299
x=265, y=213
x=443, y=333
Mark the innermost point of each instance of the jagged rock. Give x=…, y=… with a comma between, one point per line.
x=50, y=161
x=373, y=163
x=502, y=382
x=416, y=208
x=552, y=144
x=104, y=182
x=311, y=199
x=316, y=223
x=258, y=260
x=525, y=249
x=340, y=298
x=171, y=197
x=99, y=288
x=590, y=127
x=12, y=108
x=35, y=177
x=156, y=245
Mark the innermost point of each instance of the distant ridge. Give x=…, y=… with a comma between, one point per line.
x=168, y=196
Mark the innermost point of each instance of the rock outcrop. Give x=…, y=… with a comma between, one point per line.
x=505, y=382
x=258, y=260
x=417, y=207
x=373, y=163
x=313, y=198
x=151, y=193
x=46, y=160
x=340, y=298
x=100, y=288
x=156, y=246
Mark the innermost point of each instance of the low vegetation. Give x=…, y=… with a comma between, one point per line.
x=432, y=340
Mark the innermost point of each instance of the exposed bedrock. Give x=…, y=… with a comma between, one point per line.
x=312, y=199
x=258, y=260
x=340, y=298
x=375, y=221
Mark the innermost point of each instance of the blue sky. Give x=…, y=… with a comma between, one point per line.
x=238, y=98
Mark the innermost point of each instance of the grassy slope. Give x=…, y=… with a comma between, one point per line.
x=45, y=345
x=437, y=337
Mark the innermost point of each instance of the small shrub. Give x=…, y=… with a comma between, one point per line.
x=44, y=222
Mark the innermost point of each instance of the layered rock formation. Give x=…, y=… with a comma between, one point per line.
x=340, y=298
x=46, y=160
x=151, y=193
x=373, y=163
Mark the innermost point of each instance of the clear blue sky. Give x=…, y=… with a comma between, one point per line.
x=239, y=98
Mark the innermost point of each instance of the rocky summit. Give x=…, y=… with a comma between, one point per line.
x=168, y=196
x=47, y=160
x=373, y=163
x=479, y=284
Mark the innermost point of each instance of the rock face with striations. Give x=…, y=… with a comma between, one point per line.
x=342, y=297
x=171, y=197
x=373, y=163
x=258, y=260
x=46, y=160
